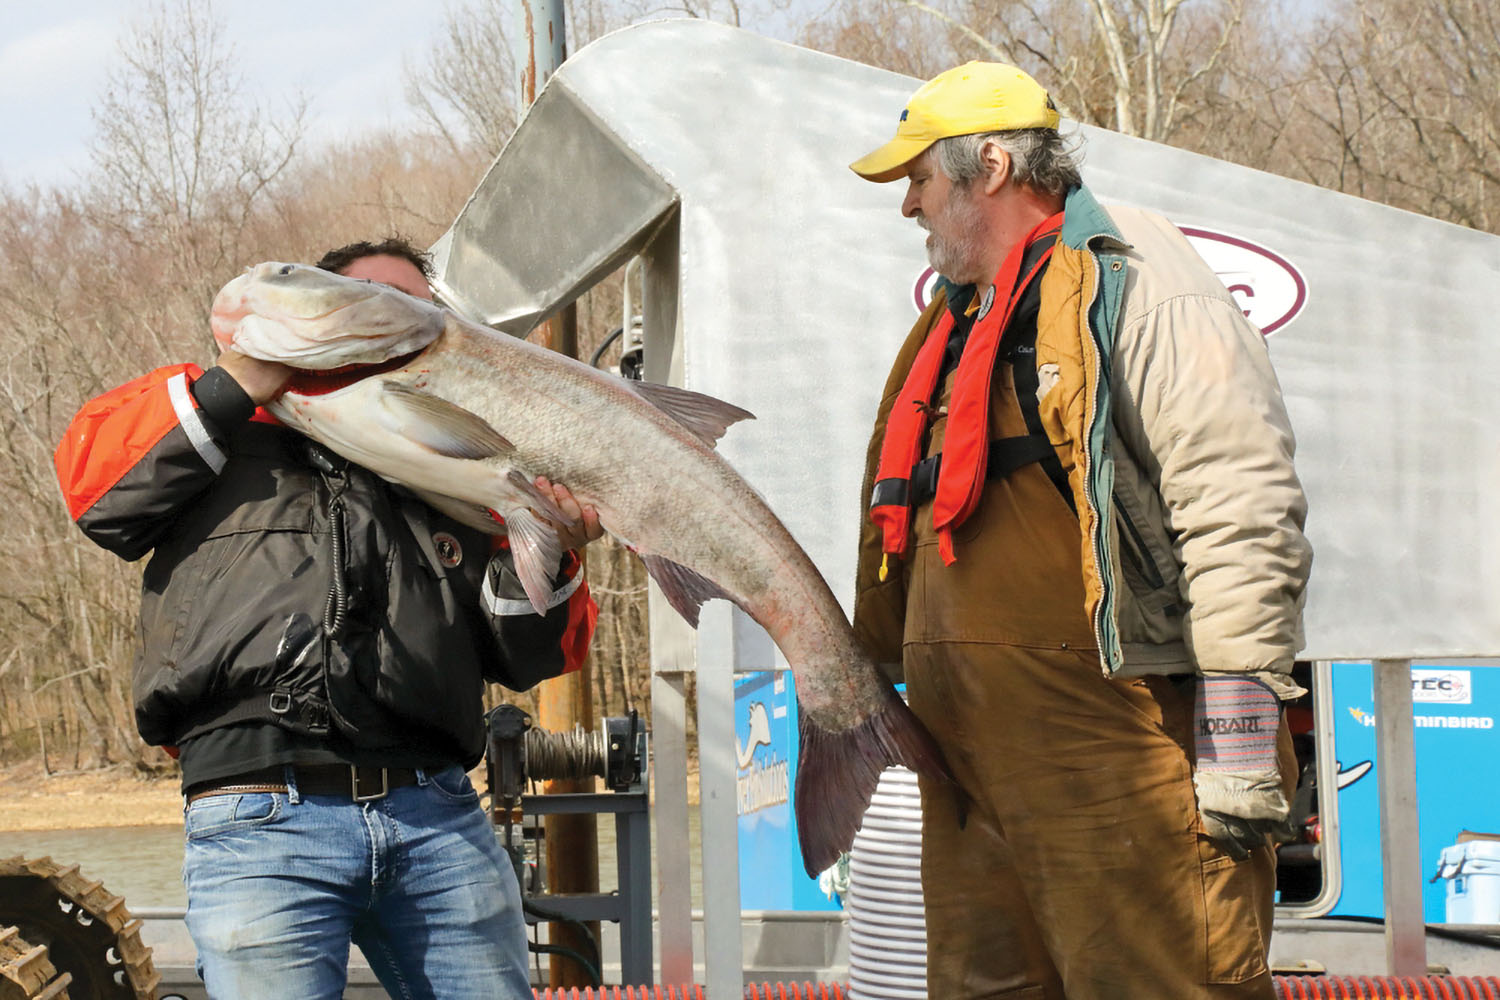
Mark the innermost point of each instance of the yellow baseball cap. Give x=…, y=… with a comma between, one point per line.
x=974, y=97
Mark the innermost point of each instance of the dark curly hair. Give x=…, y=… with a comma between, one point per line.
x=339, y=258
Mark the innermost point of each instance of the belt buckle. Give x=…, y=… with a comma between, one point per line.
x=924, y=479
x=385, y=786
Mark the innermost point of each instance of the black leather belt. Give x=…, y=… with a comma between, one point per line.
x=357, y=784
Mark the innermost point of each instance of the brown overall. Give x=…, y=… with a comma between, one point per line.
x=1081, y=872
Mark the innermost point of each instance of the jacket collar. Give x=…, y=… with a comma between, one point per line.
x=958, y=296
x=1085, y=221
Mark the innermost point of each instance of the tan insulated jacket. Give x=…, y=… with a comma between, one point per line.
x=1191, y=515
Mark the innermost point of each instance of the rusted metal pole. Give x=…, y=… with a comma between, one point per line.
x=572, y=856
x=543, y=46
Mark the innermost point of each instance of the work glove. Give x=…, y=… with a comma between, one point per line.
x=1240, y=797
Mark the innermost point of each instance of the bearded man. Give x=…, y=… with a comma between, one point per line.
x=1085, y=548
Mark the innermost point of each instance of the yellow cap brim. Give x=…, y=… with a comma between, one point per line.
x=892, y=161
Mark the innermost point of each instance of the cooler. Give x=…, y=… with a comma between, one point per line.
x=1472, y=873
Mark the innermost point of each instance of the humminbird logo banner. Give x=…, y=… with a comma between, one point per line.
x=1432, y=721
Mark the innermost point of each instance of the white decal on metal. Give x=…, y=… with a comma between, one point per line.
x=1447, y=687
x=1270, y=291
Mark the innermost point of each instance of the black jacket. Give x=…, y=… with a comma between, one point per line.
x=290, y=586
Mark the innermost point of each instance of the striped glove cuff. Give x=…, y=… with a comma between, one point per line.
x=1234, y=725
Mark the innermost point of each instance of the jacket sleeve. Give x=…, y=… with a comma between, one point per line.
x=133, y=457
x=1213, y=431
x=534, y=647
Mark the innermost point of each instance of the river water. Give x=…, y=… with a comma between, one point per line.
x=141, y=863
x=144, y=863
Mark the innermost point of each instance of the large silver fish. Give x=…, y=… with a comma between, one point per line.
x=469, y=422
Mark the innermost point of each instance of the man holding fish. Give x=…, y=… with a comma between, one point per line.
x=315, y=642
x=1085, y=549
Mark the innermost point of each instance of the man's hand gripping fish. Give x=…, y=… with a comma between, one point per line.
x=471, y=418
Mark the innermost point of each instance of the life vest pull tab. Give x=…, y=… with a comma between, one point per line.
x=885, y=562
x=945, y=546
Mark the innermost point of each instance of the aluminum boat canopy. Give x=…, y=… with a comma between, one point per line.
x=777, y=279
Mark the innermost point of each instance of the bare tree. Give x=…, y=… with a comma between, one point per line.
x=899, y=37
x=466, y=89
x=66, y=608
x=470, y=74
x=1401, y=103
x=1138, y=66
x=181, y=159
x=1395, y=100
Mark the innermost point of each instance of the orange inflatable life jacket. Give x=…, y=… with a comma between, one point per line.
x=967, y=461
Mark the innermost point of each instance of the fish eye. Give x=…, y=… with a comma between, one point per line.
x=285, y=269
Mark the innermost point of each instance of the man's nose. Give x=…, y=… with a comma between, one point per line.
x=911, y=205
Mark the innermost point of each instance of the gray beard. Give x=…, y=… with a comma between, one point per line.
x=957, y=258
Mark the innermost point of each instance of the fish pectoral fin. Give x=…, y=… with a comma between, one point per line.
x=441, y=426
x=538, y=500
x=684, y=589
x=536, y=552
x=706, y=416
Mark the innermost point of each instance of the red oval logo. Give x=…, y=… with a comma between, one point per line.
x=1270, y=290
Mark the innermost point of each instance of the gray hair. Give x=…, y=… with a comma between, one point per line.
x=1040, y=158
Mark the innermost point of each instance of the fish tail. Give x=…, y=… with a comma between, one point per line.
x=837, y=772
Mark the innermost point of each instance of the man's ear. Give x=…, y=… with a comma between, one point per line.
x=996, y=166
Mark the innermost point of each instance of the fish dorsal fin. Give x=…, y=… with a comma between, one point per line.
x=706, y=416
x=684, y=589
x=439, y=425
x=536, y=552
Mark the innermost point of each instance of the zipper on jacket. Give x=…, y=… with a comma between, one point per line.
x=1104, y=628
x=335, y=476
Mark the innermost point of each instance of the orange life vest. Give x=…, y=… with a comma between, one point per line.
x=966, y=445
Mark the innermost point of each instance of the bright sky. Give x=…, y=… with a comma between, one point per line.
x=346, y=55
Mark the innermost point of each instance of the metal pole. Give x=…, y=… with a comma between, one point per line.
x=723, y=948
x=674, y=886
x=1400, y=852
x=674, y=652
x=566, y=702
x=542, y=46
x=541, y=49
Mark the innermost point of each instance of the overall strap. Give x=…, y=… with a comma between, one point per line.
x=1006, y=455
x=1019, y=349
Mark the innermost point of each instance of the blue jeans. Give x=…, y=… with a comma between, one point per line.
x=279, y=885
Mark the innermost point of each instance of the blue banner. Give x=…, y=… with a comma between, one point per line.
x=1457, y=747
x=765, y=741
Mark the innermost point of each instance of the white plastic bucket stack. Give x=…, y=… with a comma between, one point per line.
x=887, y=933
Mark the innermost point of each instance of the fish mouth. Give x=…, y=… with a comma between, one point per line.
x=321, y=382
x=233, y=301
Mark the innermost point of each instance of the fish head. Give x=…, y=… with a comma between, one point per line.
x=309, y=318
